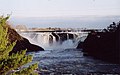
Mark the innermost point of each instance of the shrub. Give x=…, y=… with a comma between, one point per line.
x=10, y=62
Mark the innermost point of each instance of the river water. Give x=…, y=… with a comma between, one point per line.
x=64, y=59
x=72, y=62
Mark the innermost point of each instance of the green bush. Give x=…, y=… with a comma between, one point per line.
x=10, y=62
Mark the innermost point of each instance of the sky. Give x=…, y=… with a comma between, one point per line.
x=52, y=8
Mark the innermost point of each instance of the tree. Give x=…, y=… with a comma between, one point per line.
x=112, y=27
x=10, y=62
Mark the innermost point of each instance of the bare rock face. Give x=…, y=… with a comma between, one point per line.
x=103, y=45
x=21, y=43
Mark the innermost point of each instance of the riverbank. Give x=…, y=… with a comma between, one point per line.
x=103, y=45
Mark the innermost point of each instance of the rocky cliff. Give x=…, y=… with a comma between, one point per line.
x=103, y=45
x=21, y=42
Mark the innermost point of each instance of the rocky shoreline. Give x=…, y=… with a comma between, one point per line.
x=21, y=42
x=103, y=45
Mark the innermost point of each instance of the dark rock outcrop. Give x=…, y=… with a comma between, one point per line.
x=103, y=45
x=21, y=43
x=65, y=36
x=56, y=36
x=25, y=44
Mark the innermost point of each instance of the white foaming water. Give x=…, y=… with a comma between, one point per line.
x=43, y=40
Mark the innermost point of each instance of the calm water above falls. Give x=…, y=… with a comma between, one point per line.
x=71, y=62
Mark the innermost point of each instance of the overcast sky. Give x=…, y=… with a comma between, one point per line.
x=46, y=8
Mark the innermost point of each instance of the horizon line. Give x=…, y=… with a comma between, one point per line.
x=67, y=16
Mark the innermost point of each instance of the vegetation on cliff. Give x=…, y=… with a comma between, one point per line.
x=10, y=62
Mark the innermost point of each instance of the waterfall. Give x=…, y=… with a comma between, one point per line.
x=67, y=36
x=49, y=40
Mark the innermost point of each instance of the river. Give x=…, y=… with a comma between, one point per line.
x=64, y=59
x=72, y=62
